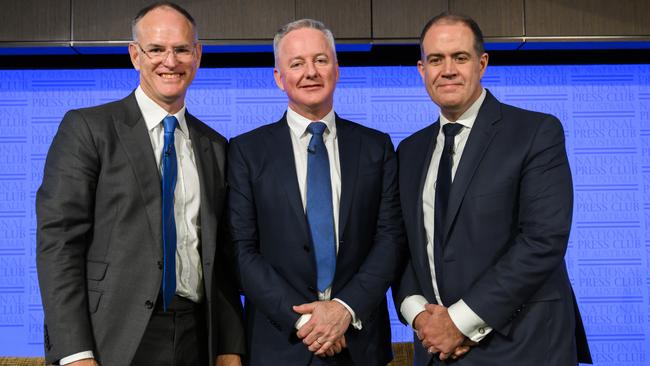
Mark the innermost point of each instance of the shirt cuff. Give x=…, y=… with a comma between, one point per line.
x=468, y=322
x=304, y=318
x=356, y=323
x=76, y=357
x=411, y=307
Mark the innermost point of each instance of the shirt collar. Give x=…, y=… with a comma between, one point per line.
x=468, y=118
x=298, y=124
x=153, y=113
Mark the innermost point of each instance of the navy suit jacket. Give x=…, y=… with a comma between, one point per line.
x=505, y=237
x=272, y=237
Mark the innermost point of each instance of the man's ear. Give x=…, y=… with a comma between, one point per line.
x=134, y=55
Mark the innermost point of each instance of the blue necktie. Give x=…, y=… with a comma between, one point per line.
x=319, y=206
x=443, y=187
x=169, y=171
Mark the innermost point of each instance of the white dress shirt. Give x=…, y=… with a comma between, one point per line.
x=187, y=195
x=187, y=200
x=465, y=319
x=300, y=138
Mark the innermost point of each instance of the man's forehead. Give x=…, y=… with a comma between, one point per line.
x=303, y=36
x=458, y=39
x=164, y=20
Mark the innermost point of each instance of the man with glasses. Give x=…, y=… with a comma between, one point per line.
x=132, y=250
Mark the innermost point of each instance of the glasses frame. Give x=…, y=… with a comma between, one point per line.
x=165, y=54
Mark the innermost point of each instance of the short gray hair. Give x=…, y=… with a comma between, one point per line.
x=299, y=24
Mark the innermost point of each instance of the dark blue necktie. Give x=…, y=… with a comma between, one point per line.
x=169, y=171
x=443, y=187
x=319, y=206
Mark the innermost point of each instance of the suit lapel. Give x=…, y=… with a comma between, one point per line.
x=209, y=182
x=280, y=152
x=349, y=144
x=479, y=139
x=132, y=132
x=423, y=257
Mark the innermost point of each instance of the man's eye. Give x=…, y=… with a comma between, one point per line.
x=156, y=51
x=182, y=51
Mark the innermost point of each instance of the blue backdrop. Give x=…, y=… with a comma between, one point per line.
x=606, y=115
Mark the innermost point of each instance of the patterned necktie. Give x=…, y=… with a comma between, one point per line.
x=319, y=206
x=443, y=187
x=169, y=171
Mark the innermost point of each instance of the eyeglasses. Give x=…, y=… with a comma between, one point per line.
x=159, y=54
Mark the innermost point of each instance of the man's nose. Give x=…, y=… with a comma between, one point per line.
x=311, y=69
x=449, y=68
x=169, y=59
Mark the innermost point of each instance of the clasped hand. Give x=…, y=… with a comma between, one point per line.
x=324, y=333
x=438, y=333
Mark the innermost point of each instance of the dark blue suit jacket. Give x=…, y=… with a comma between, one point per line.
x=276, y=260
x=506, y=234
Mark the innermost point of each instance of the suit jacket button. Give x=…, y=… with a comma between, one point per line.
x=306, y=248
x=160, y=265
x=148, y=304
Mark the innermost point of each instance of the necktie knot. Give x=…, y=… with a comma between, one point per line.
x=451, y=129
x=169, y=123
x=316, y=128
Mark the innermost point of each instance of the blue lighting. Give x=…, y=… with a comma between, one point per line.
x=605, y=111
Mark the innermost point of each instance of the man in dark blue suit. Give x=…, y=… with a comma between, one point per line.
x=317, y=252
x=487, y=201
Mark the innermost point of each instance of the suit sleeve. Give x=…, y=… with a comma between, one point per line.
x=545, y=211
x=228, y=314
x=65, y=215
x=262, y=284
x=406, y=285
x=367, y=288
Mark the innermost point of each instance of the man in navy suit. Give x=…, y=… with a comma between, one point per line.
x=304, y=307
x=487, y=200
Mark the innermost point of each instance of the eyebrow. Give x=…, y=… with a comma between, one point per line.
x=303, y=58
x=430, y=55
x=161, y=46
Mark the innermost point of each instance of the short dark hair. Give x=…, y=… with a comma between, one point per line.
x=451, y=18
x=163, y=4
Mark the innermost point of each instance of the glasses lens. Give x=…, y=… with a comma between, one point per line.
x=184, y=53
x=156, y=54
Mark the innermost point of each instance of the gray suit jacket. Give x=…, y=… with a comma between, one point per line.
x=99, y=236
